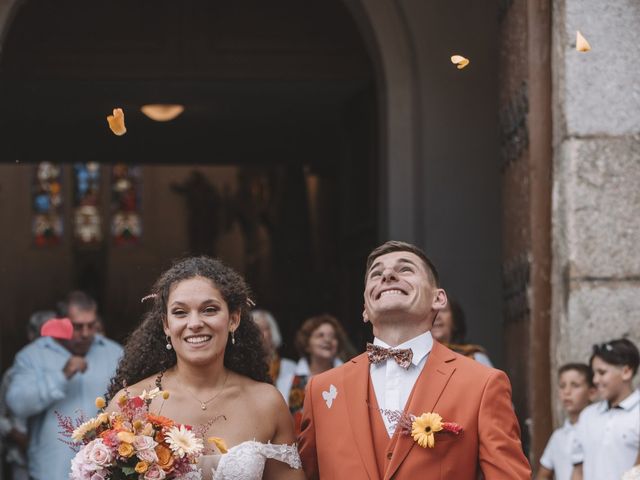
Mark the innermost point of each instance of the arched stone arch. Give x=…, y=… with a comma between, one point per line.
x=383, y=27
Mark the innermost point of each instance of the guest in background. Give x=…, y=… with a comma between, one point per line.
x=61, y=376
x=450, y=328
x=13, y=430
x=281, y=370
x=322, y=344
x=575, y=391
x=608, y=432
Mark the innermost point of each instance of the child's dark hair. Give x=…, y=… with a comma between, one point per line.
x=581, y=368
x=618, y=352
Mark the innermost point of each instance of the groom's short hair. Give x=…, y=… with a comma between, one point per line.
x=398, y=246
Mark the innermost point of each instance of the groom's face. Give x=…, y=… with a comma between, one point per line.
x=398, y=284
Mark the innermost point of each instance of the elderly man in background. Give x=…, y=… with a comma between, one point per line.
x=13, y=430
x=61, y=376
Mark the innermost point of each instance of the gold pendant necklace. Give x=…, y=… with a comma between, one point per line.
x=203, y=405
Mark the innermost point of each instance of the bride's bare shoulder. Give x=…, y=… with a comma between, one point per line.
x=266, y=396
x=147, y=384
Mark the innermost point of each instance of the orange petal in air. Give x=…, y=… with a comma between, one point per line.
x=459, y=61
x=116, y=122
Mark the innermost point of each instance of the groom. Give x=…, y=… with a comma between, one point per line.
x=348, y=427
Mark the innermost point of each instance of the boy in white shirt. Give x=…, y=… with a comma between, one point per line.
x=608, y=432
x=575, y=391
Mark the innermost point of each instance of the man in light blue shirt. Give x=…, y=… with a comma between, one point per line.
x=61, y=376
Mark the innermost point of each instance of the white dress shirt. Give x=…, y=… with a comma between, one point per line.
x=557, y=453
x=391, y=382
x=606, y=439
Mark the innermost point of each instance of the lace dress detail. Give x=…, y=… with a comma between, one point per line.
x=246, y=461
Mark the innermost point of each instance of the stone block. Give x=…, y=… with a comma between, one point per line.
x=597, y=312
x=596, y=218
x=599, y=89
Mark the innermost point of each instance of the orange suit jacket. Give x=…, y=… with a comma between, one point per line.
x=336, y=442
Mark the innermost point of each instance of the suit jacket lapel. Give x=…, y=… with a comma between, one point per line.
x=425, y=394
x=356, y=386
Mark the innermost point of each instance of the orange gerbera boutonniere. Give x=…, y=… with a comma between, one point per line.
x=422, y=429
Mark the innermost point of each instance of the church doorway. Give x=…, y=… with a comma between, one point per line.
x=272, y=165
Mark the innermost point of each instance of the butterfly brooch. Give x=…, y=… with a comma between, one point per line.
x=330, y=396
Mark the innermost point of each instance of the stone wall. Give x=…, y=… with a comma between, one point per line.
x=596, y=197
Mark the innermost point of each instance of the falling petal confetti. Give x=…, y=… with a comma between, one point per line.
x=459, y=61
x=220, y=444
x=116, y=122
x=581, y=43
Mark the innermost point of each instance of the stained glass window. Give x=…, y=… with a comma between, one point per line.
x=126, y=193
x=86, y=202
x=47, y=204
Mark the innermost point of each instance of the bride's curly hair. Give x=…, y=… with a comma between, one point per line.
x=145, y=351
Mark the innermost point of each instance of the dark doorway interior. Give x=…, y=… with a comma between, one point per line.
x=282, y=92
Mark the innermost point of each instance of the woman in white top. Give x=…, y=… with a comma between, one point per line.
x=321, y=342
x=199, y=343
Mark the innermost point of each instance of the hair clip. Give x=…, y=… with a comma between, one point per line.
x=151, y=295
x=250, y=302
x=602, y=346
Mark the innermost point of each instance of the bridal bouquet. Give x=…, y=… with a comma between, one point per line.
x=132, y=443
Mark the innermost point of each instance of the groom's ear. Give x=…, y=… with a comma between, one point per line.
x=365, y=317
x=440, y=300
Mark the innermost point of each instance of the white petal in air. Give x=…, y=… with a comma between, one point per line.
x=581, y=43
x=459, y=61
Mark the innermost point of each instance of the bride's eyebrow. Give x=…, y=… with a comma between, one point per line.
x=210, y=301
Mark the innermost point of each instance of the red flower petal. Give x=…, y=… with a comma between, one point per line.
x=451, y=427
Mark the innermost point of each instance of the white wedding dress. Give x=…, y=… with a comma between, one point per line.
x=244, y=461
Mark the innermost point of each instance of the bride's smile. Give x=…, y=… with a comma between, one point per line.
x=198, y=339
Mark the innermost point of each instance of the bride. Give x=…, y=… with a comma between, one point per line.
x=198, y=342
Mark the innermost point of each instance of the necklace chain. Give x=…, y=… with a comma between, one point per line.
x=203, y=405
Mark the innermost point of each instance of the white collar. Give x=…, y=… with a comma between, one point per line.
x=567, y=425
x=627, y=404
x=420, y=345
x=631, y=401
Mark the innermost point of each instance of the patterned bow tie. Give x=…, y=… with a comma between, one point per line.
x=402, y=356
